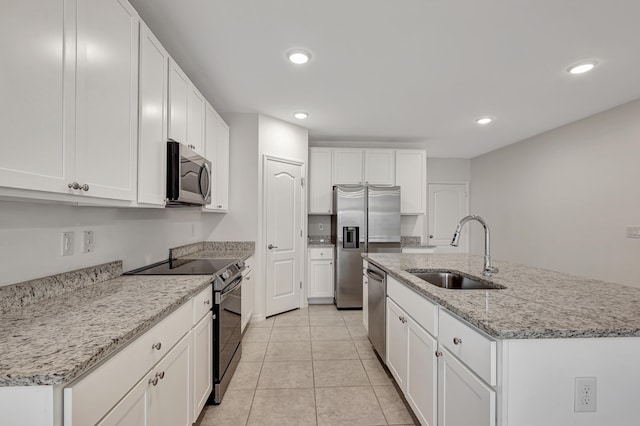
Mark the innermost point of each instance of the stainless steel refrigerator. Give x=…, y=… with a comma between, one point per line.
x=366, y=218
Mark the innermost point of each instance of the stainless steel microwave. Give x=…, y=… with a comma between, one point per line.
x=188, y=176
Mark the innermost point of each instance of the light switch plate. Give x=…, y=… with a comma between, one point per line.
x=88, y=242
x=67, y=243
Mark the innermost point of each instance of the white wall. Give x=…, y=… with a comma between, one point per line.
x=448, y=170
x=561, y=200
x=31, y=237
x=241, y=223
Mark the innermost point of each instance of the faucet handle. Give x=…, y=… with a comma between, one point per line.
x=490, y=271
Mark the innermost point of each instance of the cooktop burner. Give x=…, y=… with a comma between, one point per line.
x=185, y=267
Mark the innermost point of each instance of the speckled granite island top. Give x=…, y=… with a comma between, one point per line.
x=536, y=303
x=53, y=341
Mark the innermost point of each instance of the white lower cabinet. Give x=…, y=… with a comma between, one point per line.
x=321, y=273
x=163, y=377
x=248, y=288
x=422, y=369
x=412, y=362
x=463, y=399
x=202, y=364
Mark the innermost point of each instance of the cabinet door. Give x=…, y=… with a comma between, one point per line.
x=195, y=119
x=178, y=101
x=132, y=409
x=169, y=401
x=463, y=399
x=217, y=151
x=397, y=343
x=107, y=98
x=247, y=299
x=152, y=151
x=37, y=86
x=347, y=166
x=411, y=176
x=321, y=278
x=202, y=364
x=320, y=194
x=379, y=167
x=422, y=386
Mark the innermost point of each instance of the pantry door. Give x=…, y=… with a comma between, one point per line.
x=448, y=203
x=283, y=234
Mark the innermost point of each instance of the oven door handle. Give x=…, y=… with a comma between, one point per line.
x=233, y=286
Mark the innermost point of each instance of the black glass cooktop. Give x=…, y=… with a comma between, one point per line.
x=185, y=267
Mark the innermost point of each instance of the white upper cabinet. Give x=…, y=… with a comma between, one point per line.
x=195, y=120
x=320, y=168
x=379, y=167
x=178, y=102
x=107, y=98
x=217, y=151
x=411, y=176
x=37, y=87
x=186, y=110
x=347, y=166
x=152, y=151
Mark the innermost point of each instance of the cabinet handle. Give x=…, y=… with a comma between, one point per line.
x=430, y=236
x=207, y=302
x=74, y=185
x=219, y=206
x=156, y=346
x=192, y=146
x=402, y=319
x=160, y=375
x=85, y=187
x=438, y=354
x=457, y=341
x=271, y=246
x=154, y=381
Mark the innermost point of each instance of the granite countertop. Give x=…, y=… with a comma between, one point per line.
x=535, y=303
x=53, y=341
x=320, y=245
x=214, y=250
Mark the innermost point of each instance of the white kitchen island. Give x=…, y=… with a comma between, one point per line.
x=514, y=356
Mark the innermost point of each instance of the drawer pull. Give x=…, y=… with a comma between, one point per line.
x=207, y=302
x=402, y=319
x=156, y=346
x=154, y=381
x=457, y=341
x=160, y=375
x=438, y=354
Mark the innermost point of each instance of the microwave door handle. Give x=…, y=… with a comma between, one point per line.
x=206, y=167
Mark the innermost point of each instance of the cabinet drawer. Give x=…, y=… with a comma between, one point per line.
x=423, y=311
x=471, y=347
x=202, y=304
x=90, y=398
x=321, y=253
x=248, y=263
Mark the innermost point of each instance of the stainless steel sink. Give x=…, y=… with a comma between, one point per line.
x=454, y=281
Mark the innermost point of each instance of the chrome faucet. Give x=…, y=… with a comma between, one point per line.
x=488, y=269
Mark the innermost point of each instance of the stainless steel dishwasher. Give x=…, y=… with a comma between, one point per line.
x=377, y=309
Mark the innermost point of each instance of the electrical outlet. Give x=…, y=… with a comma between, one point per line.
x=633, y=231
x=67, y=243
x=585, y=394
x=88, y=242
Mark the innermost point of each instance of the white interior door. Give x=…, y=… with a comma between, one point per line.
x=283, y=235
x=447, y=205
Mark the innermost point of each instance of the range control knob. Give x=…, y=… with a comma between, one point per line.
x=225, y=275
x=240, y=264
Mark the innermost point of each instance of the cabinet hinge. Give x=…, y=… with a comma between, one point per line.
x=300, y=284
x=302, y=182
x=301, y=232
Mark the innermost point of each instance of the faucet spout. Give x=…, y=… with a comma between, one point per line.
x=488, y=269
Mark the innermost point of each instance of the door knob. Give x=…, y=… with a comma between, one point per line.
x=271, y=246
x=430, y=236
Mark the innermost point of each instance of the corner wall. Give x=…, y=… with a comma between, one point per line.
x=562, y=200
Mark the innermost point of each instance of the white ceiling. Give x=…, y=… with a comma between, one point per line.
x=408, y=70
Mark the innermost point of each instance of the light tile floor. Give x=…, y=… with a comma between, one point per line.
x=310, y=366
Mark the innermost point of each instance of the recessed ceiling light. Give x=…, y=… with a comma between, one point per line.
x=484, y=120
x=300, y=115
x=581, y=67
x=299, y=57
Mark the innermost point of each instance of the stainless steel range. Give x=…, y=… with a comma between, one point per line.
x=227, y=293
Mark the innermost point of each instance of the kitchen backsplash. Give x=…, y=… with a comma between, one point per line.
x=27, y=292
x=214, y=246
x=410, y=241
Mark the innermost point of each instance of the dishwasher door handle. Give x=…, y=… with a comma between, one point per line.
x=374, y=275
